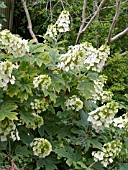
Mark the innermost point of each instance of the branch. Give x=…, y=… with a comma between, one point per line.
x=94, y=16
x=29, y=21
x=11, y=15
x=51, y=10
x=119, y=35
x=108, y=7
x=113, y=22
x=83, y=22
x=62, y=4
x=124, y=53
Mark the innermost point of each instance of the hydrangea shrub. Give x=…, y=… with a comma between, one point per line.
x=54, y=110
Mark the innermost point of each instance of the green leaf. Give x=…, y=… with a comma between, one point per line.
x=95, y=143
x=85, y=86
x=60, y=101
x=89, y=105
x=126, y=140
x=123, y=166
x=35, y=48
x=41, y=131
x=26, y=117
x=52, y=97
x=92, y=76
x=2, y=156
x=27, y=87
x=7, y=110
x=40, y=58
x=82, y=165
x=63, y=115
x=68, y=153
x=23, y=87
x=48, y=162
x=78, y=131
x=23, y=96
x=25, y=134
x=46, y=93
x=97, y=166
x=3, y=145
x=1, y=94
x=58, y=82
x=54, y=54
x=22, y=150
x=84, y=116
x=12, y=90
x=51, y=109
x=64, y=133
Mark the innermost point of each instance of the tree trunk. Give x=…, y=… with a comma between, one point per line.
x=8, y=12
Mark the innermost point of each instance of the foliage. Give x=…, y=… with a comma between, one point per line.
x=47, y=111
x=117, y=81
x=45, y=12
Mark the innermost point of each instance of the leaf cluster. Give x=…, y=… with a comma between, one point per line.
x=117, y=81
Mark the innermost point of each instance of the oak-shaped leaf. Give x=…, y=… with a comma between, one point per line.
x=7, y=110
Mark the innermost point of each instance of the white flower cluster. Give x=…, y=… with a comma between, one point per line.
x=61, y=26
x=81, y=54
x=39, y=105
x=51, y=32
x=103, y=116
x=8, y=129
x=100, y=94
x=109, y=152
x=63, y=22
x=43, y=80
x=97, y=58
x=74, y=58
x=6, y=76
x=74, y=103
x=37, y=122
x=41, y=147
x=121, y=122
x=13, y=44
